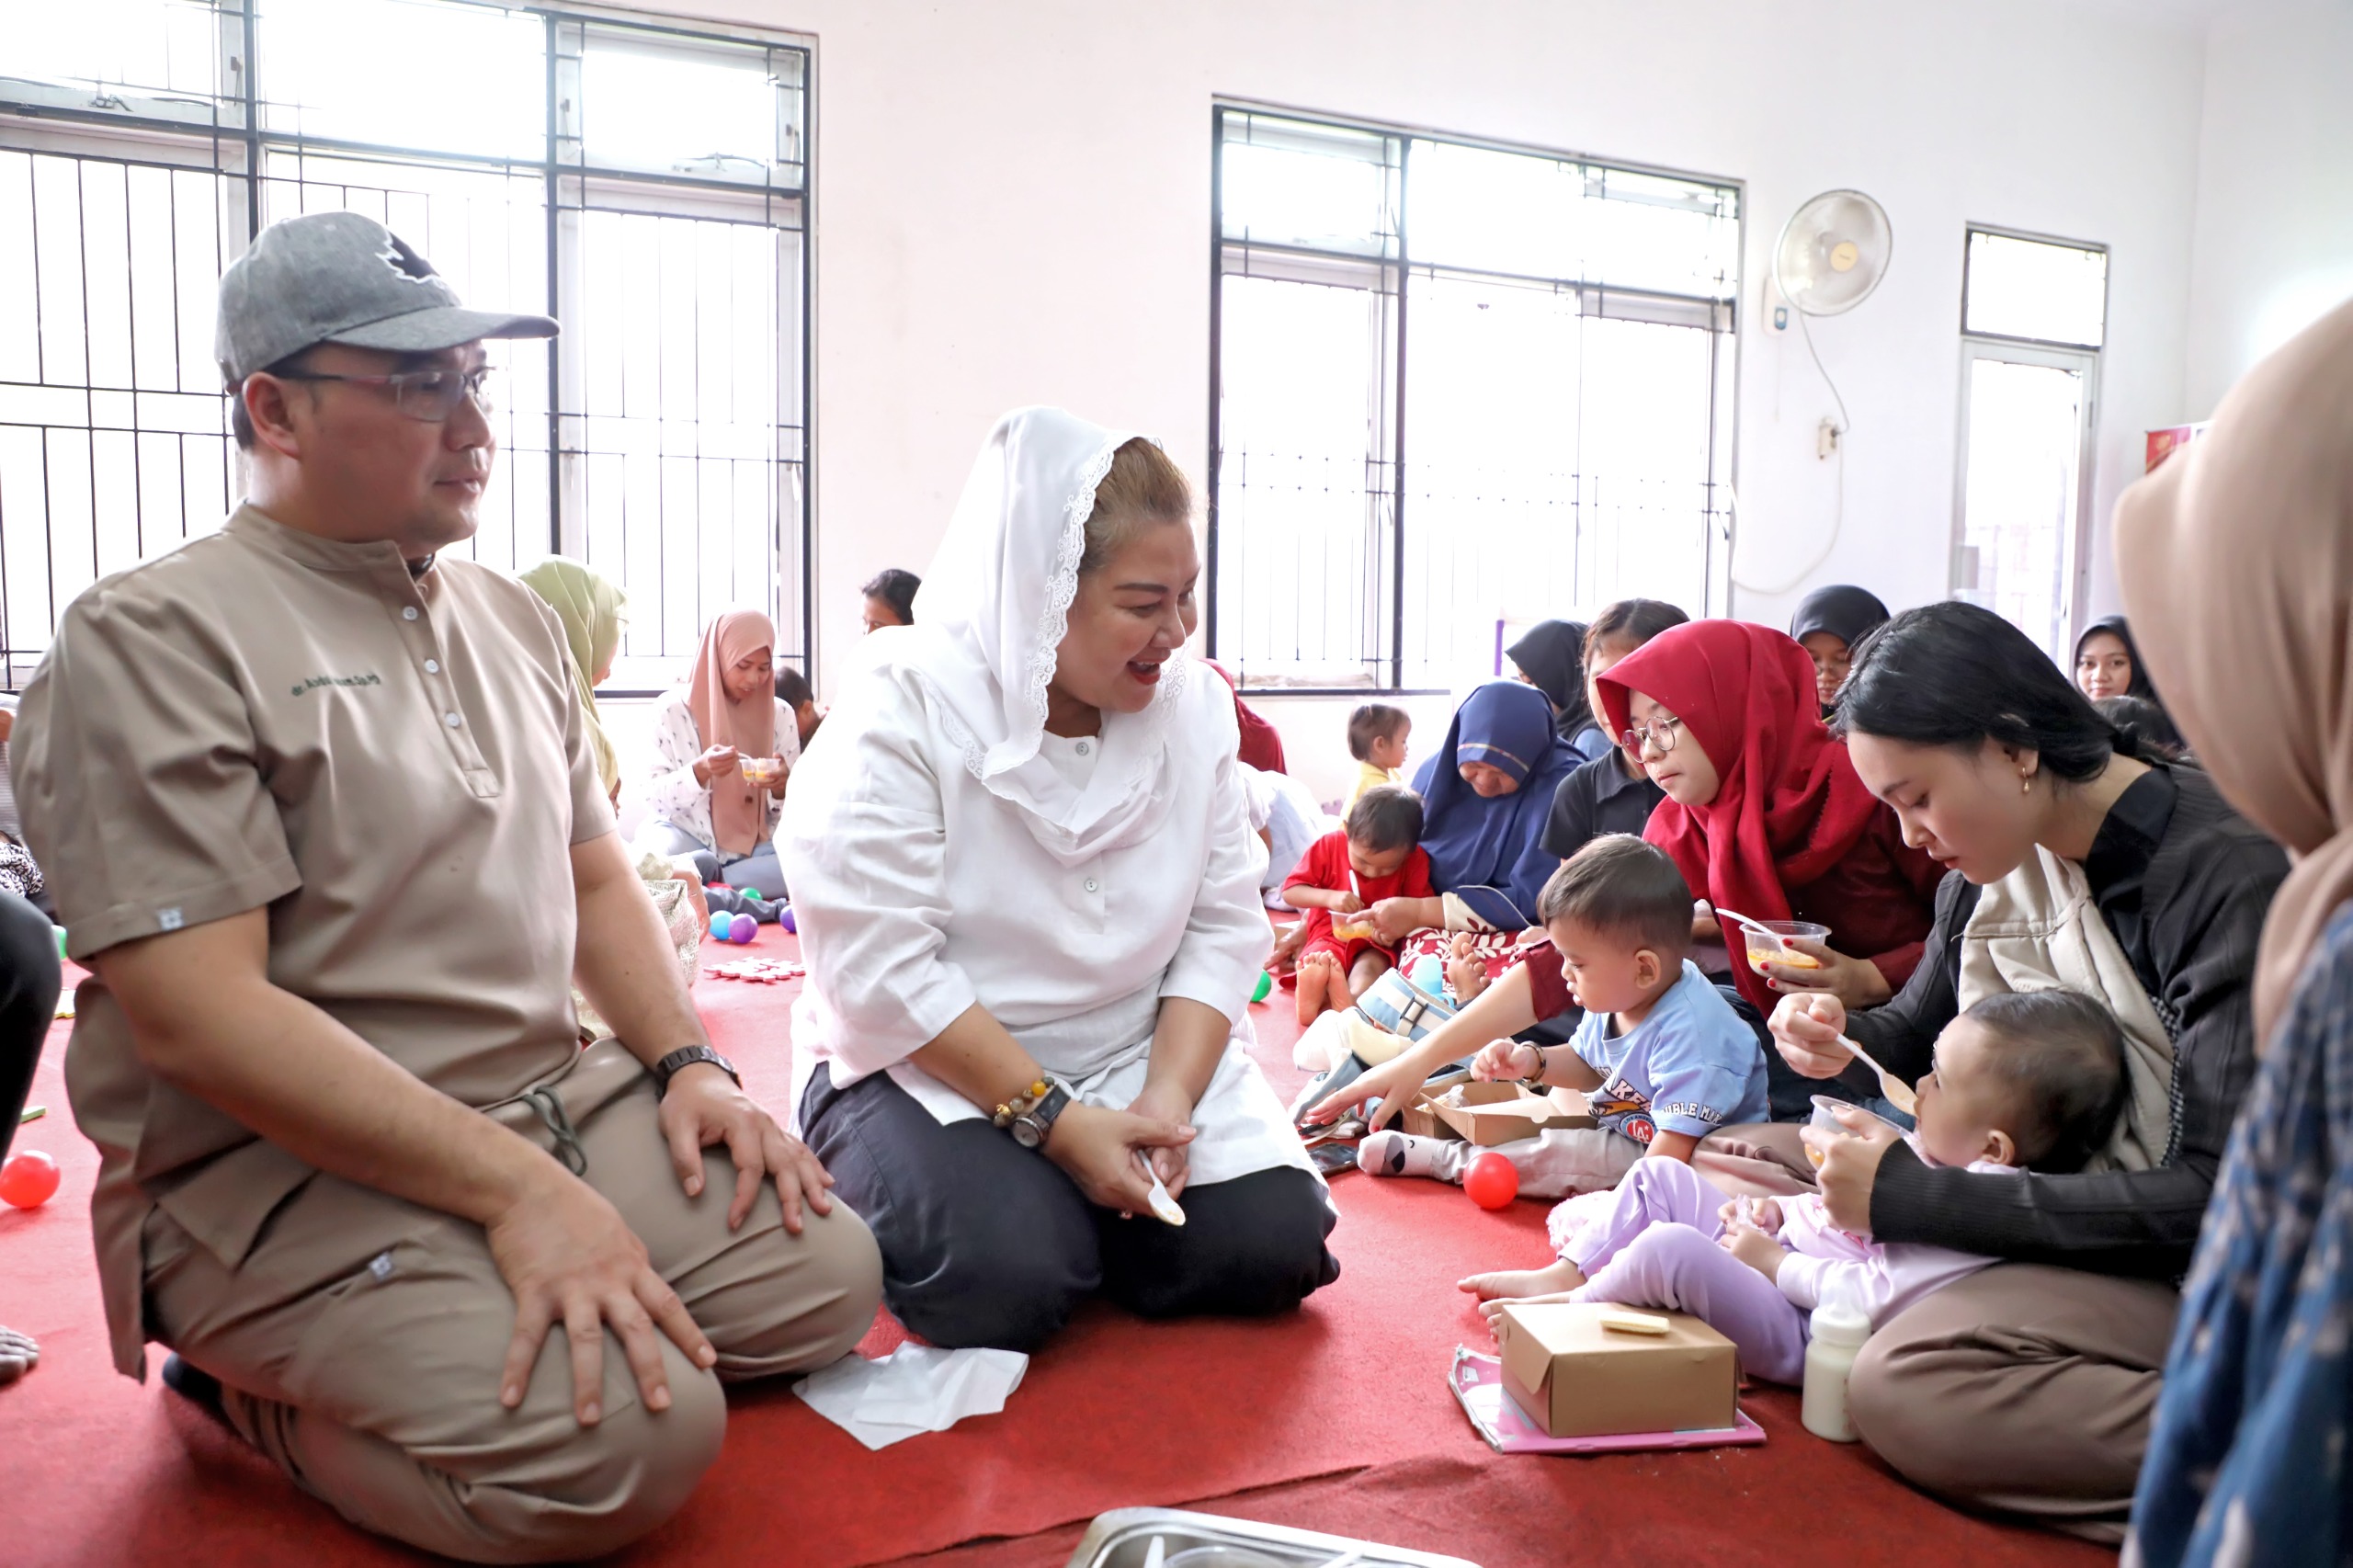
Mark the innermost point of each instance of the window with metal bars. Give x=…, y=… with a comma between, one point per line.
x=1456, y=389
x=644, y=183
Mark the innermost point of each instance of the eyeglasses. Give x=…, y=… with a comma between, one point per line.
x=1660, y=733
x=426, y=396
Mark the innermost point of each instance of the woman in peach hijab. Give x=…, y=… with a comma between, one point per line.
x=2237, y=563
x=724, y=747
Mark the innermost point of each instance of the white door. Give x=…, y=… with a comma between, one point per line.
x=2026, y=427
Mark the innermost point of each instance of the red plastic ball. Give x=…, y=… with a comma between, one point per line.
x=29, y=1181
x=1491, y=1181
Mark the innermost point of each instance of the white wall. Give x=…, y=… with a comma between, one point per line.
x=2274, y=234
x=1013, y=207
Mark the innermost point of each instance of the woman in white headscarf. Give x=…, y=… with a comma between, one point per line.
x=1028, y=892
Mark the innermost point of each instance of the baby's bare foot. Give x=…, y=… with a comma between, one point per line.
x=1521, y=1284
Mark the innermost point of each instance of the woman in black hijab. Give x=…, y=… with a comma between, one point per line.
x=1550, y=657
x=1829, y=623
x=2109, y=664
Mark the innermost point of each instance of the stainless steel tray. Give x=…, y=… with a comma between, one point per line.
x=1122, y=1538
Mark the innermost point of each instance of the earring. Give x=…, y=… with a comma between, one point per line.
x=2025, y=784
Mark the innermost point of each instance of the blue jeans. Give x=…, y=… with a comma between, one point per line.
x=759, y=870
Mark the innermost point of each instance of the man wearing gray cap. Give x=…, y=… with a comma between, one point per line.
x=311, y=795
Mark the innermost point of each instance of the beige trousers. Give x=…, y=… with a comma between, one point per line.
x=2025, y=1389
x=373, y=1381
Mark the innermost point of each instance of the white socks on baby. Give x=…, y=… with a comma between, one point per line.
x=1402, y=1153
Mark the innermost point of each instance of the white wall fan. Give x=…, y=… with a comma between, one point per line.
x=1831, y=255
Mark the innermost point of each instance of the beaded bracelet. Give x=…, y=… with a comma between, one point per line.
x=1535, y=1081
x=1020, y=1106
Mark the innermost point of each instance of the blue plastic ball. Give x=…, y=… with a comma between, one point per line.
x=743, y=928
x=721, y=924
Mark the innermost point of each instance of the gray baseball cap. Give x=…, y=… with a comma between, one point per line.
x=343, y=277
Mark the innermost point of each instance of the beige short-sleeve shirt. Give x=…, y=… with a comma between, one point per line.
x=393, y=766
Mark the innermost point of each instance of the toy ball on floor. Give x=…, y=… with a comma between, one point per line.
x=741, y=929
x=1266, y=983
x=755, y=894
x=1491, y=1181
x=784, y=917
x=29, y=1181
x=721, y=924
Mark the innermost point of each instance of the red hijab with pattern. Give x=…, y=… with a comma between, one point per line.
x=1788, y=804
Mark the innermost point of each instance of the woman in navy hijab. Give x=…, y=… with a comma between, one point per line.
x=1485, y=794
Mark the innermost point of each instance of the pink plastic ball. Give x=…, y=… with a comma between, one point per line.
x=29, y=1181
x=743, y=928
x=1491, y=1181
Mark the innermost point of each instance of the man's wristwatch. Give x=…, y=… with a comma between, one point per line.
x=671, y=1065
x=1031, y=1126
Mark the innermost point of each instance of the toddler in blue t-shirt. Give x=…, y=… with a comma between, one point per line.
x=1662, y=1057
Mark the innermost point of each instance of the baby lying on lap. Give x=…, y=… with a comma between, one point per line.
x=2022, y=1080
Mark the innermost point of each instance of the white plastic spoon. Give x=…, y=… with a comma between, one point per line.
x=1899, y=1093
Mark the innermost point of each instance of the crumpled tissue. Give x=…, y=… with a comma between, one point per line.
x=914, y=1390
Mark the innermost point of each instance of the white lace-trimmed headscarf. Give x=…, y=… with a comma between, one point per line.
x=991, y=616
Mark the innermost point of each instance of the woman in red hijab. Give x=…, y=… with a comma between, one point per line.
x=1764, y=813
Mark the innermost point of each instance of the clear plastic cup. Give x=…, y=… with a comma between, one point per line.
x=1764, y=950
x=1353, y=927
x=1830, y=1126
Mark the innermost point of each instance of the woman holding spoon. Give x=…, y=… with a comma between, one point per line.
x=1027, y=892
x=2028, y=1388
x=1764, y=813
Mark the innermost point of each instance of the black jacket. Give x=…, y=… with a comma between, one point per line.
x=2187, y=914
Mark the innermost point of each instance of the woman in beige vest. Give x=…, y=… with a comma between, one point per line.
x=2078, y=863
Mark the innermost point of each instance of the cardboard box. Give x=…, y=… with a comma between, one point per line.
x=1420, y=1119
x=1489, y=1114
x=1575, y=1378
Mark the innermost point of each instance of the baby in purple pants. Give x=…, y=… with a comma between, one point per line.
x=2032, y=1080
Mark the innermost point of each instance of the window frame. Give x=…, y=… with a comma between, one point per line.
x=2084, y=362
x=2106, y=284
x=2049, y=354
x=1393, y=270
x=224, y=136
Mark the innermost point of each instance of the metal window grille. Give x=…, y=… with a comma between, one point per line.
x=1455, y=387
x=644, y=183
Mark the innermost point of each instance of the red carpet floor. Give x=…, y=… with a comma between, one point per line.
x=1336, y=1418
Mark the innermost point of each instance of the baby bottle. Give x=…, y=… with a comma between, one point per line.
x=1839, y=1332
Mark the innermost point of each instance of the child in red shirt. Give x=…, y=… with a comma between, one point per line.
x=1344, y=874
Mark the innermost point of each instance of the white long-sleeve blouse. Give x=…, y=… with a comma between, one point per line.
x=919, y=892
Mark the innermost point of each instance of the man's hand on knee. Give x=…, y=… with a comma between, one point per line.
x=703, y=1106
x=570, y=1258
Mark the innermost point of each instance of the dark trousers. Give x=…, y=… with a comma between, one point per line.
x=985, y=1243
x=29, y=977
